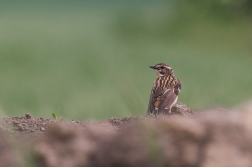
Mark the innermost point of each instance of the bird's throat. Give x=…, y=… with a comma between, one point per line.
x=159, y=75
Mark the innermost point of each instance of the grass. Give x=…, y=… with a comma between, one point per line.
x=93, y=62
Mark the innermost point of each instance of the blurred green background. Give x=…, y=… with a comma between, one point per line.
x=90, y=59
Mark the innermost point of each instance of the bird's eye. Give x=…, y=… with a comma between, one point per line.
x=162, y=67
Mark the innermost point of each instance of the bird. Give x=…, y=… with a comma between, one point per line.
x=165, y=90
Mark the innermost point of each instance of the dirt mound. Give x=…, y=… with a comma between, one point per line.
x=214, y=138
x=7, y=157
x=29, y=125
x=186, y=139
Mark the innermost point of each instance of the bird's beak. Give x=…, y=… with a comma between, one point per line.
x=152, y=67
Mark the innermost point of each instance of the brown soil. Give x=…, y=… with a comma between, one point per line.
x=211, y=138
x=34, y=127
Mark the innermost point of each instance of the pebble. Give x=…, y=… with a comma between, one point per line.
x=20, y=127
x=28, y=115
x=42, y=128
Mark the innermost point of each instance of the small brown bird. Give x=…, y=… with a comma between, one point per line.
x=165, y=90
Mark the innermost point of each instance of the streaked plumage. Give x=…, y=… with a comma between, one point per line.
x=165, y=90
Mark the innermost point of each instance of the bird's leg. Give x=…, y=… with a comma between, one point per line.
x=169, y=112
x=155, y=113
x=165, y=111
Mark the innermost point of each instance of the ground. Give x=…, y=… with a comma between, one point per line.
x=36, y=126
x=186, y=138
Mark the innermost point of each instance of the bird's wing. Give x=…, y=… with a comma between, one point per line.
x=153, y=97
x=150, y=106
x=177, y=87
x=168, y=99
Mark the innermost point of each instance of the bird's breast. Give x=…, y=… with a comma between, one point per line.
x=163, y=83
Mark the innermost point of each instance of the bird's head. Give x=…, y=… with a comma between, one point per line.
x=162, y=69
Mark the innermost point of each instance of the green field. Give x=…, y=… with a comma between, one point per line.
x=88, y=62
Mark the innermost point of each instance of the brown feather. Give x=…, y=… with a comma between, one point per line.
x=169, y=98
x=165, y=90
